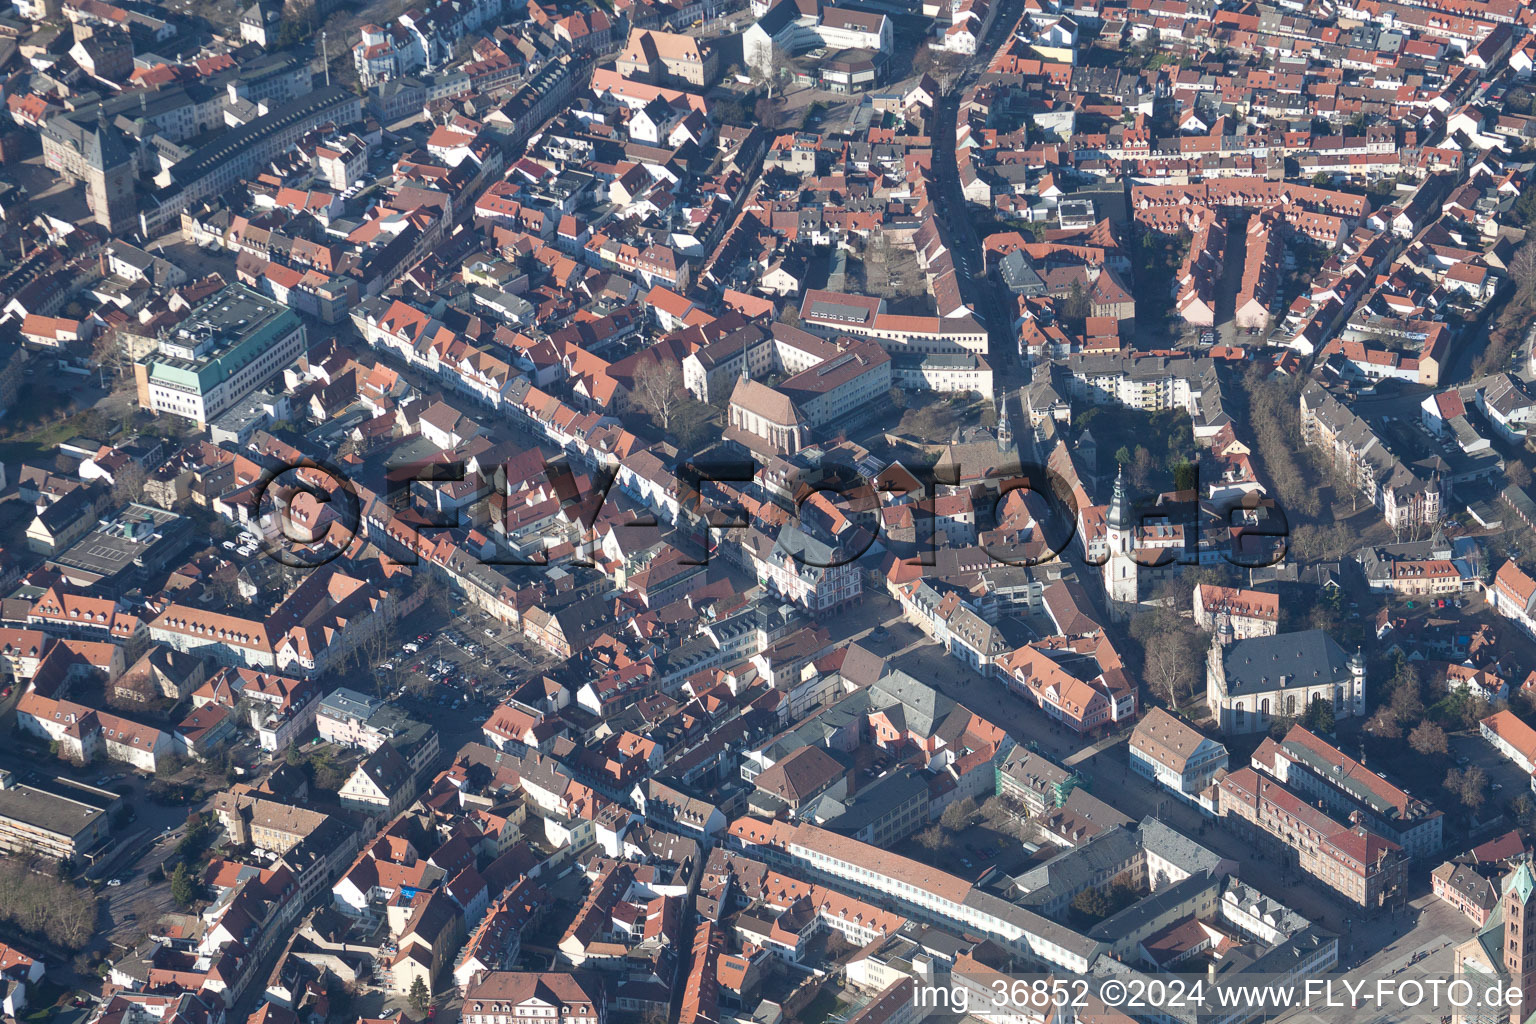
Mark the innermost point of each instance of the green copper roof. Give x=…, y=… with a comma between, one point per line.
x=1521, y=881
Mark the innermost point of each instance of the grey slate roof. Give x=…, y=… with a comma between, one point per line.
x=1174, y=846
x=921, y=706
x=1073, y=870
x=1266, y=663
x=1139, y=914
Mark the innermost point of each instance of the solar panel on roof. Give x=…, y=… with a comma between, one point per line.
x=827, y=368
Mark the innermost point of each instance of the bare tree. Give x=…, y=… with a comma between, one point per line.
x=433, y=591
x=1167, y=665
x=1018, y=825
x=1168, y=656
x=128, y=482
x=958, y=814
x=1317, y=543
x=107, y=350
x=1274, y=418
x=1522, y=269
x=837, y=947
x=769, y=113
x=945, y=68
x=371, y=654
x=1427, y=738
x=659, y=390
x=877, y=264
x=147, y=911
x=132, y=693
x=46, y=905
x=932, y=838
x=924, y=60
x=223, y=589
x=1384, y=724
x=996, y=809
x=1407, y=703
x=76, y=919
x=1142, y=467
x=1474, y=785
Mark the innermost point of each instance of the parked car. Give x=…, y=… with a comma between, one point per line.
x=115, y=882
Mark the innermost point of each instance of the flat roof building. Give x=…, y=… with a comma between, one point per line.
x=67, y=820
x=228, y=345
x=111, y=558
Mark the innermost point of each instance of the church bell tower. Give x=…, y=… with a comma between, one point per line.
x=1120, y=583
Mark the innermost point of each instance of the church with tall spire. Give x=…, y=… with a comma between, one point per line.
x=1121, y=584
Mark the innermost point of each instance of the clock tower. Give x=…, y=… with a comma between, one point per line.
x=1120, y=583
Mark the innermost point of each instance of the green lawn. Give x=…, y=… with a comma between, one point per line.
x=28, y=434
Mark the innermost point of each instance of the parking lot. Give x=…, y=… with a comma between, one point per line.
x=245, y=545
x=457, y=674
x=439, y=670
x=1505, y=779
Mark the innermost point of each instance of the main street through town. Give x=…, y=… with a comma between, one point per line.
x=984, y=295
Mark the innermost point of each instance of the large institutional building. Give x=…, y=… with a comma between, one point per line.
x=1504, y=950
x=1249, y=683
x=215, y=357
